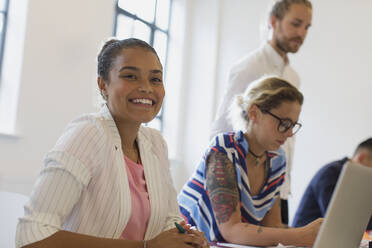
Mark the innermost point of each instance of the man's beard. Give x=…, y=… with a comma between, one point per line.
x=284, y=46
x=283, y=43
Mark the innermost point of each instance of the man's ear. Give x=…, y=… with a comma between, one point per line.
x=273, y=21
x=361, y=157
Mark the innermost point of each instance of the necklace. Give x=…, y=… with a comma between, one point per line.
x=257, y=157
x=133, y=152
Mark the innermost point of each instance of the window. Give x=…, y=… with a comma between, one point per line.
x=13, y=19
x=147, y=20
x=4, y=6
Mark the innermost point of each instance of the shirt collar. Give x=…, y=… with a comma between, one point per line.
x=142, y=139
x=108, y=118
x=242, y=141
x=274, y=56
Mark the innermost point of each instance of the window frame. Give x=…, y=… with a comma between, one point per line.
x=4, y=14
x=153, y=29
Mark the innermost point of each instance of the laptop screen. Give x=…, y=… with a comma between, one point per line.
x=350, y=209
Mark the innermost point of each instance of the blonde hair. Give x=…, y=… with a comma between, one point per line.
x=267, y=92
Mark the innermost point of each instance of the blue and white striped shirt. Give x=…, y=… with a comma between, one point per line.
x=194, y=201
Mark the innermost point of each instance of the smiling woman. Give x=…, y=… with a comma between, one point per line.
x=107, y=183
x=131, y=82
x=133, y=87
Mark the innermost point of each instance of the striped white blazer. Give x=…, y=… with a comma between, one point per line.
x=84, y=188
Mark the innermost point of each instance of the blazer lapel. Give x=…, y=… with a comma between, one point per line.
x=150, y=162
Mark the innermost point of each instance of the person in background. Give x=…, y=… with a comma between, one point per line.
x=317, y=196
x=233, y=195
x=289, y=21
x=106, y=182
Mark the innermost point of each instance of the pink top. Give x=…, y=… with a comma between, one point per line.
x=140, y=213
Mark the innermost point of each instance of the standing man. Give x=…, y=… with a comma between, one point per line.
x=289, y=21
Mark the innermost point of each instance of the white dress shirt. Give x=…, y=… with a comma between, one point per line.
x=84, y=187
x=263, y=61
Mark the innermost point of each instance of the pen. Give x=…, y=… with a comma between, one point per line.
x=180, y=228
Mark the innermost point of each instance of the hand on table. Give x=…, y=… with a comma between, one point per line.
x=192, y=230
x=174, y=239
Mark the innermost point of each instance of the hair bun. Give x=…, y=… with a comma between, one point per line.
x=239, y=100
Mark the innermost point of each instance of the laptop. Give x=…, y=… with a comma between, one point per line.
x=349, y=210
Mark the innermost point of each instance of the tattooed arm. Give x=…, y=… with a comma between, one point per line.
x=222, y=188
x=223, y=193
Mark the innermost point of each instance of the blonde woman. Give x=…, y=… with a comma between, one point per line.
x=233, y=195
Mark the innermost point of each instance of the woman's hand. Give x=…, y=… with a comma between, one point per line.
x=200, y=234
x=173, y=238
x=310, y=231
x=193, y=230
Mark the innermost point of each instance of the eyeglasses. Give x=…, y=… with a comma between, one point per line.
x=285, y=124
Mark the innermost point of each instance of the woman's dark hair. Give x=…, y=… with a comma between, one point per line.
x=112, y=48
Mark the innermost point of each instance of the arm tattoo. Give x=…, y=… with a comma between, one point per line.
x=259, y=230
x=221, y=186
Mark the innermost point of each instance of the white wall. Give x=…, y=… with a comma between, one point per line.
x=57, y=80
x=335, y=67
x=190, y=91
